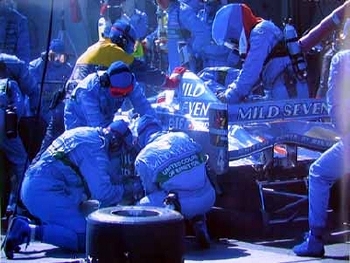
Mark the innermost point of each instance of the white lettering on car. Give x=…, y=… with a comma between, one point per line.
x=197, y=108
x=192, y=90
x=274, y=111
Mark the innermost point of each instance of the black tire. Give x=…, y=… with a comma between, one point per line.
x=135, y=234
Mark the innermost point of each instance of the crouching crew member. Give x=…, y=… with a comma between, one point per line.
x=75, y=169
x=173, y=172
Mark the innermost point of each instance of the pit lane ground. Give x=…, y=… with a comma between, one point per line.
x=237, y=230
x=222, y=250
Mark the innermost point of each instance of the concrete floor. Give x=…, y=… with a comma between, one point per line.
x=223, y=250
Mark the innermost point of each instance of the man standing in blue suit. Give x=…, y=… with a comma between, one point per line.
x=266, y=60
x=186, y=35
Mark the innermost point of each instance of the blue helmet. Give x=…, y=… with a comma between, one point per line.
x=124, y=35
x=228, y=24
x=121, y=79
x=120, y=135
x=146, y=126
x=57, y=46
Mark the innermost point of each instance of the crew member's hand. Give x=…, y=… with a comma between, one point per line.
x=230, y=95
x=221, y=96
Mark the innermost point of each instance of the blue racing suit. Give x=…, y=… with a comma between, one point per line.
x=55, y=78
x=17, y=70
x=195, y=4
x=76, y=167
x=173, y=162
x=184, y=26
x=14, y=34
x=19, y=83
x=333, y=163
x=266, y=59
x=213, y=54
x=93, y=105
x=11, y=144
x=100, y=55
x=139, y=20
x=273, y=73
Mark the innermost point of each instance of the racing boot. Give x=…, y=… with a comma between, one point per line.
x=313, y=246
x=6, y=219
x=19, y=232
x=201, y=232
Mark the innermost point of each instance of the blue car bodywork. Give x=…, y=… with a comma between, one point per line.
x=230, y=132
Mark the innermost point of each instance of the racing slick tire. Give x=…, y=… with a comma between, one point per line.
x=135, y=234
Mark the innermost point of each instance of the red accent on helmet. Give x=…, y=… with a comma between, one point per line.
x=121, y=91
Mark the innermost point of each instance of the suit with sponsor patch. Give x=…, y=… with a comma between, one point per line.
x=173, y=162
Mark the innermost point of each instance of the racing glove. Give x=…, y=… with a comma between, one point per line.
x=221, y=96
x=173, y=81
x=230, y=95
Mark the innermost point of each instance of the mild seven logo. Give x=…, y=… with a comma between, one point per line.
x=271, y=110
